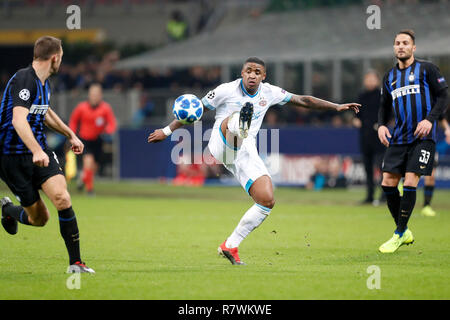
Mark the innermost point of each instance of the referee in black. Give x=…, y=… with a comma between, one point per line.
x=415, y=92
x=26, y=162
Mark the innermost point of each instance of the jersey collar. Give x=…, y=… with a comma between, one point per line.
x=411, y=66
x=245, y=91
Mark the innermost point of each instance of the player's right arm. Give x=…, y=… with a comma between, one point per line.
x=23, y=129
x=384, y=113
x=211, y=101
x=23, y=91
x=161, y=134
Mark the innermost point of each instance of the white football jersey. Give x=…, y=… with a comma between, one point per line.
x=231, y=96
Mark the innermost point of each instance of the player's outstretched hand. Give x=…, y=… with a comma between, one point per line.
x=423, y=128
x=383, y=134
x=346, y=106
x=77, y=145
x=156, y=136
x=40, y=158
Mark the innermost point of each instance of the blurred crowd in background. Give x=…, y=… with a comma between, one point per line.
x=77, y=77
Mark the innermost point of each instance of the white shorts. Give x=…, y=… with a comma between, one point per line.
x=244, y=162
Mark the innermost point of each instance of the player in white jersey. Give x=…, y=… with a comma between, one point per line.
x=240, y=107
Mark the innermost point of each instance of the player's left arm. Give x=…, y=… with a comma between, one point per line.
x=311, y=102
x=54, y=122
x=438, y=87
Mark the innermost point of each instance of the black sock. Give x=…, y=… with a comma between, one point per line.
x=406, y=207
x=428, y=193
x=17, y=213
x=69, y=231
x=393, y=201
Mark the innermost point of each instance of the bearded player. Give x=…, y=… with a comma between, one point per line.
x=26, y=162
x=415, y=92
x=240, y=107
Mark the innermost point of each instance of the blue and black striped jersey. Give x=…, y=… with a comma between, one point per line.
x=24, y=89
x=410, y=94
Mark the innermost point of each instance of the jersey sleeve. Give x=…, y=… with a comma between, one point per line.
x=279, y=95
x=435, y=79
x=23, y=90
x=216, y=97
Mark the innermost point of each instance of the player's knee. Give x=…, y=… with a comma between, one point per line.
x=268, y=202
x=389, y=181
x=62, y=200
x=41, y=220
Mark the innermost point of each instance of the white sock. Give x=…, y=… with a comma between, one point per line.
x=233, y=123
x=251, y=220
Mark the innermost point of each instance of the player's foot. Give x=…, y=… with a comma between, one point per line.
x=245, y=119
x=409, y=238
x=79, y=267
x=427, y=211
x=396, y=242
x=230, y=253
x=8, y=222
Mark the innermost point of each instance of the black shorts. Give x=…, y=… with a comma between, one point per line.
x=93, y=147
x=24, y=178
x=417, y=157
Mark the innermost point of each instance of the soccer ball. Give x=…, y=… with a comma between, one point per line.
x=187, y=109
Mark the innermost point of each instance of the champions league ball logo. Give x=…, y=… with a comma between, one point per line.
x=24, y=94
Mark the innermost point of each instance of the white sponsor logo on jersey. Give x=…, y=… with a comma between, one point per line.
x=403, y=91
x=39, y=109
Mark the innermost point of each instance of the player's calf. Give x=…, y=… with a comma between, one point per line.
x=230, y=130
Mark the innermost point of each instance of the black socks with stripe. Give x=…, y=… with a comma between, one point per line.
x=17, y=213
x=407, y=204
x=400, y=207
x=69, y=231
x=428, y=193
x=393, y=201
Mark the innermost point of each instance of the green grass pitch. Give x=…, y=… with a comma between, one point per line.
x=151, y=241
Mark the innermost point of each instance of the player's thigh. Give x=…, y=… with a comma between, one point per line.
x=55, y=188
